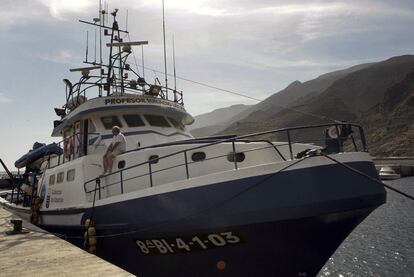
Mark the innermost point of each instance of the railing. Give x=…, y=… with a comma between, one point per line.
x=62, y=158
x=341, y=128
x=78, y=91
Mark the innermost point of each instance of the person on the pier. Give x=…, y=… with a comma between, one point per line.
x=117, y=146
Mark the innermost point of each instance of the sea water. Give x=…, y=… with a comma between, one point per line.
x=383, y=244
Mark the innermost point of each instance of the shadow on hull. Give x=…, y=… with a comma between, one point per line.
x=298, y=247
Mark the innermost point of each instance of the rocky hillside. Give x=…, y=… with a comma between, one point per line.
x=389, y=126
x=216, y=121
x=377, y=95
x=295, y=93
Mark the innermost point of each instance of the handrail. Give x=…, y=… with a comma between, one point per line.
x=7, y=170
x=65, y=139
x=235, y=139
x=186, y=163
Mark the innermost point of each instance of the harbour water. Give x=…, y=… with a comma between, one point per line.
x=382, y=245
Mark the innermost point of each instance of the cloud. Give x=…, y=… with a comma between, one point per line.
x=235, y=44
x=5, y=99
x=62, y=56
x=60, y=9
x=20, y=12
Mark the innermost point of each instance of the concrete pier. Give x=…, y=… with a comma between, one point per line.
x=38, y=253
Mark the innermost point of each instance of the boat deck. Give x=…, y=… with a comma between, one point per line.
x=38, y=253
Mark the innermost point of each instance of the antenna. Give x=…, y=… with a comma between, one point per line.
x=142, y=60
x=126, y=21
x=165, y=51
x=95, y=47
x=101, y=19
x=107, y=9
x=87, y=45
x=175, y=74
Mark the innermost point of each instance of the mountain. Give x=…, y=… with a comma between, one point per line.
x=365, y=88
x=346, y=98
x=216, y=120
x=389, y=126
x=296, y=92
x=379, y=96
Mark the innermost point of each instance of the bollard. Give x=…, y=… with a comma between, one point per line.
x=17, y=227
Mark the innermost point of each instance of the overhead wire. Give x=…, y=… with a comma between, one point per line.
x=244, y=94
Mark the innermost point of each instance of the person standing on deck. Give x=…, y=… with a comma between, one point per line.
x=117, y=146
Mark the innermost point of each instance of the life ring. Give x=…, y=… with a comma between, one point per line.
x=334, y=132
x=69, y=147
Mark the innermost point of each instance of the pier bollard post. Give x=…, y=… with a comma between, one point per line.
x=17, y=227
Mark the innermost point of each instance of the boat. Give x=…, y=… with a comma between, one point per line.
x=387, y=173
x=175, y=205
x=5, y=182
x=37, y=155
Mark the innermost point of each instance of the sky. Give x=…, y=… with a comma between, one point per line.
x=251, y=47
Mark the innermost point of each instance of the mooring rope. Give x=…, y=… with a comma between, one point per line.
x=233, y=197
x=367, y=176
x=190, y=215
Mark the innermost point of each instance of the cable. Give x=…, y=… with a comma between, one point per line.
x=369, y=177
x=244, y=94
x=133, y=54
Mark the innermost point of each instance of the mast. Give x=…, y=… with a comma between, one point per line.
x=165, y=50
x=142, y=60
x=101, y=16
x=175, y=74
x=87, y=46
x=114, y=74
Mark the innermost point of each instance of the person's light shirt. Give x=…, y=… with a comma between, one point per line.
x=122, y=142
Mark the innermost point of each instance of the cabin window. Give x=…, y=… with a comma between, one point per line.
x=70, y=175
x=52, y=179
x=60, y=177
x=176, y=124
x=110, y=121
x=153, y=159
x=121, y=164
x=157, y=120
x=238, y=157
x=198, y=156
x=133, y=120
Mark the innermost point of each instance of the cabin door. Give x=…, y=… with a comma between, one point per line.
x=81, y=138
x=78, y=139
x=85, y=137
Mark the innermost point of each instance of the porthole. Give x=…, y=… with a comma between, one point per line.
x=198, y=156
x=121, y=164
x=238, y=157
x=153, y=159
